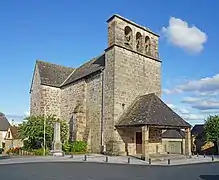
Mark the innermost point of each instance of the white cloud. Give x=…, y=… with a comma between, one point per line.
x=190, y=100
x=209, y=111
x=204, y=86
x=192, y=117
x=180, y=34
x=202, y=103
x=206, y=105
x=188, y=115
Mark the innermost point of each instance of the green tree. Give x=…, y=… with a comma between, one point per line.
x=32, y=131
x=212, y=130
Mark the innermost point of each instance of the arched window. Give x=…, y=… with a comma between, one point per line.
x=128, y=35
x=147, y=45
x=138, y=41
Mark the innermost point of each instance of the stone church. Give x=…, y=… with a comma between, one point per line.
x=113, y=101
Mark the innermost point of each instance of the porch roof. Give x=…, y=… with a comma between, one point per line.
x=151, y=110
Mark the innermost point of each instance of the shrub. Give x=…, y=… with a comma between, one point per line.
x=67, y=147
x=40, y=152
x=75, y=147
x=79, y=146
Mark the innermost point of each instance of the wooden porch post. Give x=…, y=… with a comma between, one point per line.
x=145, y=142
x=188, y=142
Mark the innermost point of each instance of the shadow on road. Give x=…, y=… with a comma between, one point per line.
x=209, y=177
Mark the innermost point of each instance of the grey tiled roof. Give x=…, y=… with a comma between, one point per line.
x=151, y=110
x=53, y=74
x=198, y=130
x=174, y=134
x=58, y=76
x=4, y=124
x=86, y=69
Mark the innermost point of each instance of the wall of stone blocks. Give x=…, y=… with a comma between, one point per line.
x=108, y=96
x=94, y=110
x=134, y=75
x=36, y=103
x=51, y=97
x=116, y=35
x=83, y=100
x=73, y=103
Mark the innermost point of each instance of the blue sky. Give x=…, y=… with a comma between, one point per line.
x=71, y=32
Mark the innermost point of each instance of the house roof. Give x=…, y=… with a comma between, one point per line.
x=14, y=132
x=174, y=134
x=53, y=74
x=4, y=124
x=86, y=69
x=151, y=110
x=198, y=130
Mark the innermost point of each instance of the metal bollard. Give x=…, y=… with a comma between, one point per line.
x=197, y=154
x=85, y=158
x=168, y=161
x=106, y=159
x=128, y=160
x=149, y=160
x=212, y=158
x=204, y=155
x=71, y=155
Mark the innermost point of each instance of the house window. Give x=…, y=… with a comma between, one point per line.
x=9, y=134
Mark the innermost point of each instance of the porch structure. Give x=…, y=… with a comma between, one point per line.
x=145, y=121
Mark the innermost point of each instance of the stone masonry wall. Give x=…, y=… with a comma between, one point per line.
x=108, y=96
x=83, y=100
x=73, y=103
x=36, y=103
x=93, y=113
x=51, y=97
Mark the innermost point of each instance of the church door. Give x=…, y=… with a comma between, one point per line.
x=138, y=136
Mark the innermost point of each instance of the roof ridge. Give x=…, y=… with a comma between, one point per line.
x=76, y=69
x=80, y=70
x=68, y=77
x=94, y=58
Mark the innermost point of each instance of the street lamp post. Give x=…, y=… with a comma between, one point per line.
x=44, y=137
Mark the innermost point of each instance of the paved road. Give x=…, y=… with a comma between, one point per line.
x=94, y=171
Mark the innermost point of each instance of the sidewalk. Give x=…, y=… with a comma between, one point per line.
x=105, y=159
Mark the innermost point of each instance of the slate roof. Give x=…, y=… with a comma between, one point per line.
x=58, y=76
x=174, y=134
x=151, y=110
x=86, y=69
x=198, y=130
x=4, y=124
x=53, y=74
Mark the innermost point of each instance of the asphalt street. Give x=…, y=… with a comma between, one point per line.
x=95, y=171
